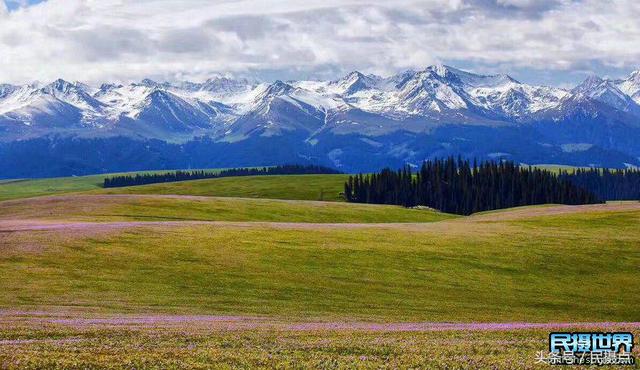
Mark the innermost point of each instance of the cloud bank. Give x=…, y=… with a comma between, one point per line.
x=95, y=40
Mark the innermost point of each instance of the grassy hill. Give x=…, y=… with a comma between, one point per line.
x=92, y=208
x=301, y=187
x=503, y=266
x=483, y=268
x=109, y=278
x=294, y=187
x=16, y=189
x=27, y=188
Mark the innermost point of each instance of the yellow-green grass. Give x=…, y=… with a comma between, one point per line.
x=31, y=346
x=547, y=211
x=93, y=208
x=575, y=267
x=16, y=189
x=295, y=187
x=556, y=168
x=301, y=187
x=27, y=188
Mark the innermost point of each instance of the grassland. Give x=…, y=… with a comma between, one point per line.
x=223, y=282
x=292, y=187
x=469, y=269
x=27, y=188
x=104, y=208
x=73, y=345
x=557, y=168
x=295, y=187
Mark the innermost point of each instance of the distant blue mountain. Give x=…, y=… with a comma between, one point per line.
x=356, y=123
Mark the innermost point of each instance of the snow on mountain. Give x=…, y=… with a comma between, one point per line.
x=36, y=106
x=435, y=91
x=352, y=83
x=500, y=94
x=475, y=80
x=6, y=90
x=167, y=111
x=281, y=107
x=606, y=92
x=123, y=100
x=439, y=90
x=431, y=90
x=358, y=122
x=77, y=95
x=438, y=94
x=631, y=86
x=513, y=99
x=68, y=104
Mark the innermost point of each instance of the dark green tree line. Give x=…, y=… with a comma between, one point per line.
x=154, y=178
x=607, y=184
x=457, y=186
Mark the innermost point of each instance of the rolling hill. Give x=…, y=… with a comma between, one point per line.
x=98, y=208
x=295, y=187
x=188, y=274
x=476, y=268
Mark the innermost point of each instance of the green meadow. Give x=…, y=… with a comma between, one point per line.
x=296, y=187
x=462, y=269
x=93, y=208
x=293, y=187
x=265, y=252
x=27, y=188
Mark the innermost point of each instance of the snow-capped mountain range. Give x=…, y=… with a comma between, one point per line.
x=399, y=119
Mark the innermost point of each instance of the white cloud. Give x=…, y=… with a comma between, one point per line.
x=94, y=40
x=518, y=3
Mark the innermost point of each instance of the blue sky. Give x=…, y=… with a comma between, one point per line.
x=15, y=4
x=553, y=42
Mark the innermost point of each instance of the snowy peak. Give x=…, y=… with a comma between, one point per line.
x=163, y=110
x=631, y=86
x=440, y=70
x=354, y=82
x=161, y=97
x=440, y=88
x=606, y=91
x=58, y=104
x=149, y=83
x=106, y=89
x=277, y=88
x=72, y=93
x=266, y=94
x=59, y=85
x=590, y=84
x=436, y=94
x=431, y=90
x=469, y=79
x=6, y=90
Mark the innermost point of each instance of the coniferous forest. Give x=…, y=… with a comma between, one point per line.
x=457, y=186
x=154, y=178
x=607, y=184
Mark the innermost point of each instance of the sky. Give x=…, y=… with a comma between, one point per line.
x=551, y=42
